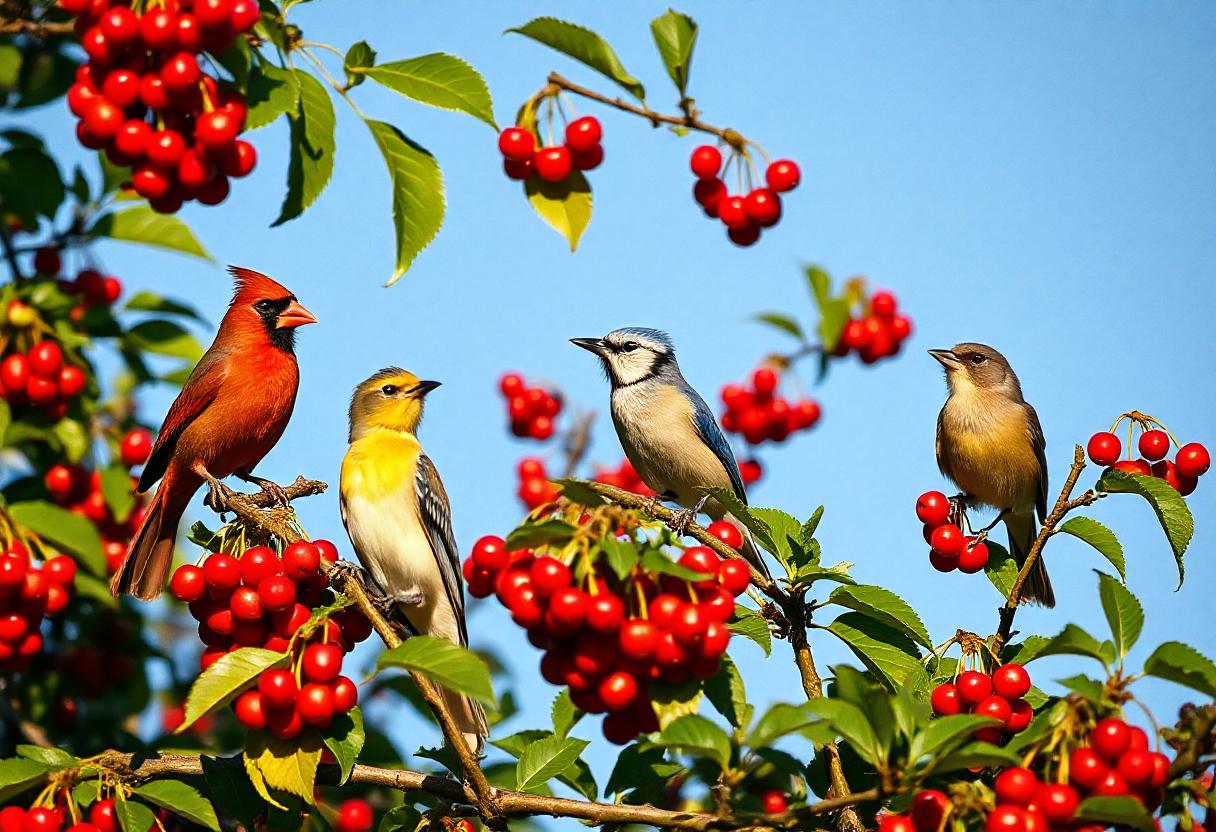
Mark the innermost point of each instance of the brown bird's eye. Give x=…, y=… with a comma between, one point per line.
x=977, y=359
x=389, y=390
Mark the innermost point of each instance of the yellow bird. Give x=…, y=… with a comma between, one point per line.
x=399, y=520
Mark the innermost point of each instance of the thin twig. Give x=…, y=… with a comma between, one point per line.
x=576, y=442
x=33, y=27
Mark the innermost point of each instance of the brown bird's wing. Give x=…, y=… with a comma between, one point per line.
x=197, y=394
x=1040, y=451
x=937, y=445
x=436, y=516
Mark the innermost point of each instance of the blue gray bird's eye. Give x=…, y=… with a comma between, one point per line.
x=629, y=346
x=389, y=390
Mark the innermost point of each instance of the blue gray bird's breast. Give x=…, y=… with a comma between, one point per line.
x=655, y=424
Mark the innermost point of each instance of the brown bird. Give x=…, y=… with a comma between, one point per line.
x=229, y=414
x=990, y=443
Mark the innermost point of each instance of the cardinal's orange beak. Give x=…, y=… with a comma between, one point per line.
x=294, y=315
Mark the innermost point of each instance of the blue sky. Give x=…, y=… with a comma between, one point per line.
x=1039, y=177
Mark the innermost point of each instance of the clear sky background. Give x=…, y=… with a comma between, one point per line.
x=1040, y=177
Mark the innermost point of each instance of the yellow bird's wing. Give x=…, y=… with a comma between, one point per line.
x=436, y=516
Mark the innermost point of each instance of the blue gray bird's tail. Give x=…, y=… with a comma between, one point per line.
x=1022, y=532
x=750, y=550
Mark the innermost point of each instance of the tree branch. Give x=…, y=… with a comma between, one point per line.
x=10, y=26
x=1064, y=504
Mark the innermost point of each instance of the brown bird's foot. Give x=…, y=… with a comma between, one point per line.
x=983, y=533
x=958, y=509
x=276, y=491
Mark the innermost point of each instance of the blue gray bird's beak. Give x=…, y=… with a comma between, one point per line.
x=595, y=345
x=424, y=387
x=947, y=358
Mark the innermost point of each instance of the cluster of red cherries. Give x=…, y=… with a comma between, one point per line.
x=102, y=817
x=144, y=98
x=624, y=476
x=1189, y=464
x=102, y=662
x=608, y=638
x=949, y=548
x=878, y=334
x=744, y=215
x=93, y=287
x=535, y=488
x=998, y=695
x=262, y=599
x=28, y=593
x=79, y=490
x=41, y=377
x=759, y=414
x=531, y=409
x=521, y=158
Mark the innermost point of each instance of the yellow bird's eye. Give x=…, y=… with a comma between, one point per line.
x=389, y=389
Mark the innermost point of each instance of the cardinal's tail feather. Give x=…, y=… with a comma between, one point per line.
x=1022, y=532
x=145, y=569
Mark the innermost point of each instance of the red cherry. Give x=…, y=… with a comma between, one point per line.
x=278, y=688
x=1006, y=819
x=1011, y=681
x=322, y=662
x=583, y=134
x=941, y=561
x=152, y=92
x=301, y=560
x=1135, y=766
x=894, y=823
x=315, y=704
x=782, y=175
x=706, y=161
x=1112, y=785
x=490, y=552
x=43, y=819
x=947, y=539
x=136, y=447
x=568, y=609
x=883, y=304
x=1154, y=445
x=1104, y=448
x=605, y=613
x=639, y=639
x=1058, y=802
x=744, y=237
x=1134, y=466
x=285, y=624
x=773, y=802
x=763, y=207
x=180, y=72
x=213, y=192
x=701, y=559
x=929, y=809
x=689, y=624
x=945, y=701
x=277, y=593
x=45, y=358
x=245, y=604
x=549, y=575
x=973, y=687
x=222, y=572
x=1085, y=768
x=245, y=14
x=994, y=707
x=974, y=556
x=355, y=815
x=587, y=159
x=1165, y=470
x=618, y=690
x=1110, y=738
x=709, y=193
x=216, y=129
x=212, y=13
x=734, y=576
x=733, y=212
x=132, y=138
x=120, y=25
x=727, y=532
x=284, y=723
x=345, y=694
x=237, y=159
x=552, y=164
x=249, y=709
x=60, y=570
x=188, y=583
x=1015, y=786
x=150, y=183
x=103, y=815
x=158, y=28
x=1161, y=771
x=1192, y=460
x=517, y=144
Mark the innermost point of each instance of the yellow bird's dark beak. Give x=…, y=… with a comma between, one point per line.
x=947, y=358
x=424, y=387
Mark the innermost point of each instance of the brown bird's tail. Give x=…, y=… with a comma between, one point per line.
x=470, y=718
x=1022, y=532
x=145, y=569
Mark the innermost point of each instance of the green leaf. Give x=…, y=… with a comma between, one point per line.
x=312, y=147
x=1091, y=689
x=30, y=184
x=220, y=683
x=675, y=35
x=945, y=734
x=975, y=755
x=456, y=668
x=833, y=311
x=439, y=80
x=132, y=816
x=147, y=301
x=577, y=491
x=141, y=224
x=359, y=56
x=345, y=739
x=1001, y=569
x=180, y=799
x=18, y=774
x=643, y=770
x=1181, y=663
x=72, y=438
x=229, y=785
x=64, y=529
x=1098, y=536
x=726, y=692
x=851, y=723
x=564, y=714
x=116, y=489
x=418, y=197
x=805, y=576
x=621, y=555
x=564, y=206
x=883, y=605
x=1169, y=505
x=163, y=338
x=545, y=759
x=288, y=766
x=584, y=46
x=672, y=701
x=781, y=720
x=271, y=92
x=577, y=776
x=1024, y=650
x=654, y=561
x=1073, y=641
x=1118, y=811
x=401, y=819
x=883, y=650
x=53, y=758
x=694, y=734
x=1123, y=612
x=540, y=533
x=751, y=625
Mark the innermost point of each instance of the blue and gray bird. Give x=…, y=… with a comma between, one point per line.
x=668, y=432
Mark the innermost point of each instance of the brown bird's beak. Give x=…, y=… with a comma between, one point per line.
x=293, y=316
x=947, y=358
x=595, y=345
x=424, y=387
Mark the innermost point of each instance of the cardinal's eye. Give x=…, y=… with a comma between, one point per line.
x=264, y=306
x=389, y=389
x=629, y=346
x=977, y=359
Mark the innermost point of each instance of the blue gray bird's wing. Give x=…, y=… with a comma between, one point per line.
x=436, y=516
x=707, y=428
x=1040, y=451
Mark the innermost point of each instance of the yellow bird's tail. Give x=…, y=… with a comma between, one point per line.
x=1022, y=532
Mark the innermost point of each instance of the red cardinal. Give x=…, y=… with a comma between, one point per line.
x=230, y=413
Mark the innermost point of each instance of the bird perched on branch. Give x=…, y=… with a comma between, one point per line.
x=668, y=432
x=991, y=445
x=231, y=411
x=400, y=522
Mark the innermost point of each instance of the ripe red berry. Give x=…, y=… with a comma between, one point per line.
x=490, y=553
x=929, y=809
x=706, y=161
x=136, y=447
x=120, y=25
x=973, y=687
x=688, y=624
x=278, y=688
x=568, y=609
x=277, y=593
x=733, y=212
x=1085, y=768
x=701, y=559
x=1135, y=766
x=150, y=182
x=1015, y=786
x=734, y=576
x=1058, y=802
x=709, y=193
x=1110, y=738
x=1134, y=466
x=1192, y=460
x=583, y=134
x=639, y=639
x=782, y=175
x=216, y=130
x=1154, y=445
x=1011, y=681
x=180, y=72
x=517, y=144
x=45, y=358
x=943, y=562
x=321, y=662
x=249, y=709
x=355, y=815
x=165, y=148
x=974, y=556
x=549, y=575
x=245, y=604
x=587, y=159
x=888, y=822
x=1006, y=819
x=1104, y=448
x=744, y=236
x=932, y=508
x=773, y=802
x=947, y=539
x=222, y=572
x=60, y=569
x=763, y=207
x=315, y=704
x=994, y=707
x=301, y=560
x=158, y=28
x=552, y=164
x=605, y=613
x=345, y=694
x=102, y=814
x=1112, y=785
x=187, y=583
x=945, y=701
x=618, y=690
